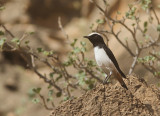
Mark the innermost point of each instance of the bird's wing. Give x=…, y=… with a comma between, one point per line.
x=113, y=59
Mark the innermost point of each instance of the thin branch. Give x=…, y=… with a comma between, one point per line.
x=150, y=70
x=154, y=55
x=116, y=36
x=23, y=37
x=7, y=31
x=122, y=23
x=133, y=34
x=47, y=80
x=68, y=92
x=44, y=102
x=62, y=29
x=154, y=12
x=134, y=62
x=152, y=43
x=51, y=82
x=93, y=76
x=98, y=6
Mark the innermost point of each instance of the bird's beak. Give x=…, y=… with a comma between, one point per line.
x=85, y=36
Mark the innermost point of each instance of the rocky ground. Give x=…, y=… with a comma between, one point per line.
x=41, y=17
x=113, y=100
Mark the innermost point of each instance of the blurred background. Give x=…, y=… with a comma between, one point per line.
x=41, y=17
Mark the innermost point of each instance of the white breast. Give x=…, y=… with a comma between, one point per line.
x=102, y=58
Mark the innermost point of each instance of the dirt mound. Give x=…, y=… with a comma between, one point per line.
x=113, y=100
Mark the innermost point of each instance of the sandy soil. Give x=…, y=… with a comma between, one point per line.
x=113, y=100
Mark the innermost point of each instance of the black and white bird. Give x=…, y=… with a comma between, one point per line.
x=105, y=58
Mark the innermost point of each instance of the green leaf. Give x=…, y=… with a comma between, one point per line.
x=145, y=4
x=145, y=30
x=35, y=100
x=40, y=50
x=46, y=53
x=27, y=42
x=140, y=60
x=100, y=21
x=1, y=33
x=83, y=49
x=158, y=28
x=130, y=5
x=31, y=94
x=50, y=92
x=83, y=43
x=81, y=77
x=91, y=63
x=2, y=41
x=74, y=42
x=76, y=50
x=145, y=24
x=51, y=75
x=31, y=33
x=133, y=24
x=2, y=8
x=157, y=73
x=131, y=13
x=59, y=77
x=127, y=14
x=146, y=36
x=118, y=12
x=146, y=59
x=58, y=94
x=16, y=40
x=91, y=26
x=66, y=98
x=37, y=90
x=49, y=86
x=90, y=86
x=90, y=83
x=126, y=38
x=49, y=99
x=68, y=63
x=149, y=58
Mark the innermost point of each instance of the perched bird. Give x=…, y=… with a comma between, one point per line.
x=105, y=58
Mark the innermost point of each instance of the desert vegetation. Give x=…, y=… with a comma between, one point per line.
x=64, y=62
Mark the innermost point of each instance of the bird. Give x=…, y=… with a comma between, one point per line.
x=105, y=59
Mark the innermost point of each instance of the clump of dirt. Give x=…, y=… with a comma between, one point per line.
x=113, y=100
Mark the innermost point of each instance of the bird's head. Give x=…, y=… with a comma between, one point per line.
x=95, y=38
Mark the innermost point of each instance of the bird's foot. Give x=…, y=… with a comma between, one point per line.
x=105, y=82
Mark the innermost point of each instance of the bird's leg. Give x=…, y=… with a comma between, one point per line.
x=107, y=77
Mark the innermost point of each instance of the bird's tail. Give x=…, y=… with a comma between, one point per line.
x=119, y=78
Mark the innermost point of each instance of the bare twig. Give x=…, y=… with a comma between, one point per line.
x=154, y=12
x=22, y=38
x=62, y=29
x=7, y=31
x=154, y=55
x=116, y=36
x=68, y=92
x=153, y=43
x=47, y=80
x=133, y=34
x=93, y=76
x=134, y=62
x=150, y=70
x=51, y=82
x=44, y=102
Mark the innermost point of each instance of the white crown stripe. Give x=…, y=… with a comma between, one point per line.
x=94, y=33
